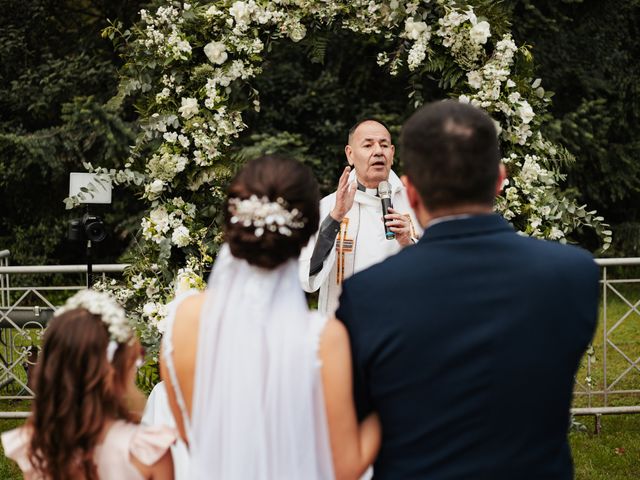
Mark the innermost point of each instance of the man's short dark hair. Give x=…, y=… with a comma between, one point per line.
x=353, y=129
x=451, y=154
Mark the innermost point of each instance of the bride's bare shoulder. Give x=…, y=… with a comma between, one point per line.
x=188, y=312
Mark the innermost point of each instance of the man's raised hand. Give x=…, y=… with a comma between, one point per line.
x=345, y=194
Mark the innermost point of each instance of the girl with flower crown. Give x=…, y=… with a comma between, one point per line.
x=81, y=425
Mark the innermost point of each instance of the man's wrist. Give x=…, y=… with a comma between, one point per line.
x=336, y=216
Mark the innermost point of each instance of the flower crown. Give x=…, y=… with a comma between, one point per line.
x=264, y=214
x=109, y=311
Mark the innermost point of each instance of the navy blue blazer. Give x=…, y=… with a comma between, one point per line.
x=467, y=344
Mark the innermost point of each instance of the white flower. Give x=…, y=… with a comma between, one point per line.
x=413, y=29
x=480, y=33
x=170, y=137
x=189, y=107
x=463, y=99
x=298, y=32
x=184, y=141
x=498, y=127
x=240, y=12
x=104, y=306
x=475, y=79
x=149, y=309
x=514, y=97
x=216, y=52
x=525, y=112
x=156, y=187
x=180, y=237
x=160, y=218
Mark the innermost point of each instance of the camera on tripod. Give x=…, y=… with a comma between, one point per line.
x=89, y=227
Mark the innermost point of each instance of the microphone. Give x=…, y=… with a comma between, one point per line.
x=384, y=191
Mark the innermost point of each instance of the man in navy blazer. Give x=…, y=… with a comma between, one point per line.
x=467, y=343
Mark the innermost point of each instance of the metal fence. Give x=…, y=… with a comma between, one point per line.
x=608, y=382
x=27, y=302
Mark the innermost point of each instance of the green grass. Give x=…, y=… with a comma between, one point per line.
x=614, y=454
x=8, y=469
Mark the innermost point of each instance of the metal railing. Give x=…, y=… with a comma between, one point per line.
x=613, y=387
x=611, y=384
x=25, y=309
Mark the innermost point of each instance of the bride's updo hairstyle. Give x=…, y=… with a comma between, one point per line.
x=281, y=191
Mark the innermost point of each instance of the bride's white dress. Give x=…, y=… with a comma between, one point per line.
x=258, y=409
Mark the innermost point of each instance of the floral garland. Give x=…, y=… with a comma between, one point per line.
x=110, y=313
x=187, y=66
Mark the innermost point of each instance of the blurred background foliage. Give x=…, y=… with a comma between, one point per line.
x=57, y=75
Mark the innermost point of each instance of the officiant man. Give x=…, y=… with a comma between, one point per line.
x=352, y=235
x=467, y=343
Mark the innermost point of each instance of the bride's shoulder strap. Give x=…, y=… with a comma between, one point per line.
x=167, y=354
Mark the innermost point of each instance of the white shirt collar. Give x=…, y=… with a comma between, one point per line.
x=447, y=218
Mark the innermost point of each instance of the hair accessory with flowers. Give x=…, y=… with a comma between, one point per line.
x=111, y=313
x=264, y=214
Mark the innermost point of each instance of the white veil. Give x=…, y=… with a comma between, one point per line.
x=258, y=410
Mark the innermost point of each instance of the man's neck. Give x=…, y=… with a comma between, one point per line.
x=367, y=185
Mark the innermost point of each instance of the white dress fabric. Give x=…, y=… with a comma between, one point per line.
x=157, y=412
x=361, y=239
x=258, y=409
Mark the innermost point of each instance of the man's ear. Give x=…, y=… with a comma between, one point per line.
x=502, y=176
x=348, y=151
x=412, y=193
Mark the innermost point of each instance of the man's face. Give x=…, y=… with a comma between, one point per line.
x=370, y=151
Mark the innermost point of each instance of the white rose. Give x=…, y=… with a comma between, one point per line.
x=181, y=237
x=480, y=33
x=414, y=29
x=525, y=112
x=189, y=107
x=157, y=186
x=216, y=52
x=298, y=33
x=240, y=12
x=475, y=79
x=463, y=99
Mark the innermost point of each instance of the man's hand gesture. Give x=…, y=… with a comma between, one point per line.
x=345, y=194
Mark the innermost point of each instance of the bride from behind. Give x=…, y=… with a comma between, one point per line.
x=260, y=386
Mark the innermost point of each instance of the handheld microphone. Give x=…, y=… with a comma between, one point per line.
x=384, y=191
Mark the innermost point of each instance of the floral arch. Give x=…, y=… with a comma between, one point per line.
x=189, y=69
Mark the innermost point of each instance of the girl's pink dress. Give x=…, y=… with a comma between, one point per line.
x=112, y=457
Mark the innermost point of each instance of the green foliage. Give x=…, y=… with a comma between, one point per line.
x=55, y=76
x=307, y=108
x=587, y=51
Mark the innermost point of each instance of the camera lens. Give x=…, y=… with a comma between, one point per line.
x=94, y=228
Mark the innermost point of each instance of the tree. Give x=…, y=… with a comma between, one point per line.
x=55, y=77
x=587, y=52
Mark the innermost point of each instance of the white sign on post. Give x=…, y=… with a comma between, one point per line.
x=90, y=187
